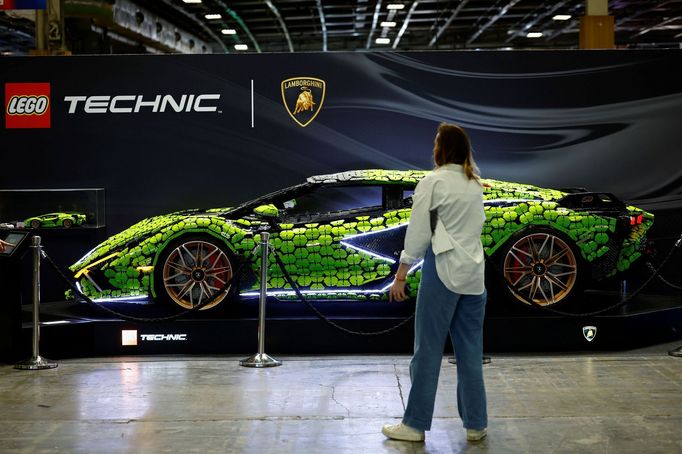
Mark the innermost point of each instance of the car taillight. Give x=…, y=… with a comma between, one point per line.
x=627, y=221
x=636, y=220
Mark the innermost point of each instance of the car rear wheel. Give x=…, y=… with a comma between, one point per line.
x=67, y=223
x=193, y=270
x=542, y=267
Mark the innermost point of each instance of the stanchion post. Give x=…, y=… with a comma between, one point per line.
x=623, y=295
x=36, y=362
x=262, y=359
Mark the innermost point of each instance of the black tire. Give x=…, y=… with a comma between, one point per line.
x=35, y=224
x=67, y=223
x=552, y=274
x=189, y=287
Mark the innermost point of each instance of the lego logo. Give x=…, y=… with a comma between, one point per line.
x=28, y=105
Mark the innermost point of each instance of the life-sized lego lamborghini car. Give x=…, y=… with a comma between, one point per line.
x=55, y=220
x=340, y=237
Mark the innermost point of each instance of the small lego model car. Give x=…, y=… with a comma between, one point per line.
x=52, y=220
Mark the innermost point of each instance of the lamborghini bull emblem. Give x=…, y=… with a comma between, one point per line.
x=589, y=332
x=303, y=98
x=304, y=101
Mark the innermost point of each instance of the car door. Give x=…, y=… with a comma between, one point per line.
x=341, y=242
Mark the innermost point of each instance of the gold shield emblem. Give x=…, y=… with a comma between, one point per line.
x=303, y=98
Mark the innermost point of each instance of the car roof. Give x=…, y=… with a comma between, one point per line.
x=371, y=176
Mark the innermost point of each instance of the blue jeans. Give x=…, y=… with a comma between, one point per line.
x=438, y=311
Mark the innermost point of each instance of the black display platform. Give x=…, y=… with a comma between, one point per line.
x=74, y=330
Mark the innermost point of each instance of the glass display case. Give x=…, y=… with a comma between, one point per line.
x=52, y=208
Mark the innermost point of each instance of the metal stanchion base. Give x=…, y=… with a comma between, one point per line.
x=260, y=360
x=35, y=363
x=677, y=352
x=486, y=360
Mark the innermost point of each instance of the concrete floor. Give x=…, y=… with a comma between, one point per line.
x=597, y=403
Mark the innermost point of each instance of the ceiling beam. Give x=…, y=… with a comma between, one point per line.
x=639, y=13
x=398, y=37
x=571, y=26
x=492, y=20
x=241, y=24
x=200, y=23
x=275, y=11
x=653, y=27
x=375, y=19
x=447, y=23
x=323, y=25
x=535, y=20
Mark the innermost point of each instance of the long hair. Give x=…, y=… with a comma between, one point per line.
x=452, y=146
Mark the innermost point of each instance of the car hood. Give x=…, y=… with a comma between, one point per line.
x=138, y=232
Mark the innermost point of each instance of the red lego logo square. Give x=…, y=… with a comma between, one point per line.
x=27, y=105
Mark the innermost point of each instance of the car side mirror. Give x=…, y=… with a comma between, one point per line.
x=268, y=211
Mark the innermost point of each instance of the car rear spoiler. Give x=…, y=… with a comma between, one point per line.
x=571, y=190
x=592, y=201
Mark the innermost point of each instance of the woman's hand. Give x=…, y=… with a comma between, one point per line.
x=4, y=245
x=397, y=291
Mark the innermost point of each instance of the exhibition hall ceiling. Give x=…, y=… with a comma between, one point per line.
x=317, y=25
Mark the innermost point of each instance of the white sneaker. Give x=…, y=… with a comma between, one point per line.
x=476, y=435
x=402, y=432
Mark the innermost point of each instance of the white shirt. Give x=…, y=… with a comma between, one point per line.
x=456, y=242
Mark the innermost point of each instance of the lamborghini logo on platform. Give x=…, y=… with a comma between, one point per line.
x=303, y=98
x=590, y=332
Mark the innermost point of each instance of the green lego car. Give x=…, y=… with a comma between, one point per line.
x=55, y=220
x=340, y=238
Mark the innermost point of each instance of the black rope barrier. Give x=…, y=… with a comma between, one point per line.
x=320, y=315
x=225, y=288
x=323, y=317
x=662, y=279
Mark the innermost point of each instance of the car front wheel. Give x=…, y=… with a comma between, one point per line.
x=193, y=270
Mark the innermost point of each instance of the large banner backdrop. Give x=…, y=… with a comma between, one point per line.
x=163, y=133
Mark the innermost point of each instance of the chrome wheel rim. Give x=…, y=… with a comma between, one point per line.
x=194, y=272
x=541, y=268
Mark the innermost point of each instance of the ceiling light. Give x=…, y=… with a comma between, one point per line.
x=241, y=47
x=213, y=16
x=192, y=1
x=388, y=24
x=383, y=41
x=562, y=17
x=395, y=6
x=534, y=35
x=228, y=31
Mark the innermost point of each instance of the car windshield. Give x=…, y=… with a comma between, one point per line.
x=327, y=199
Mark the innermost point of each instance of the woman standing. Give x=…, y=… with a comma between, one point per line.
x=451, y=293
